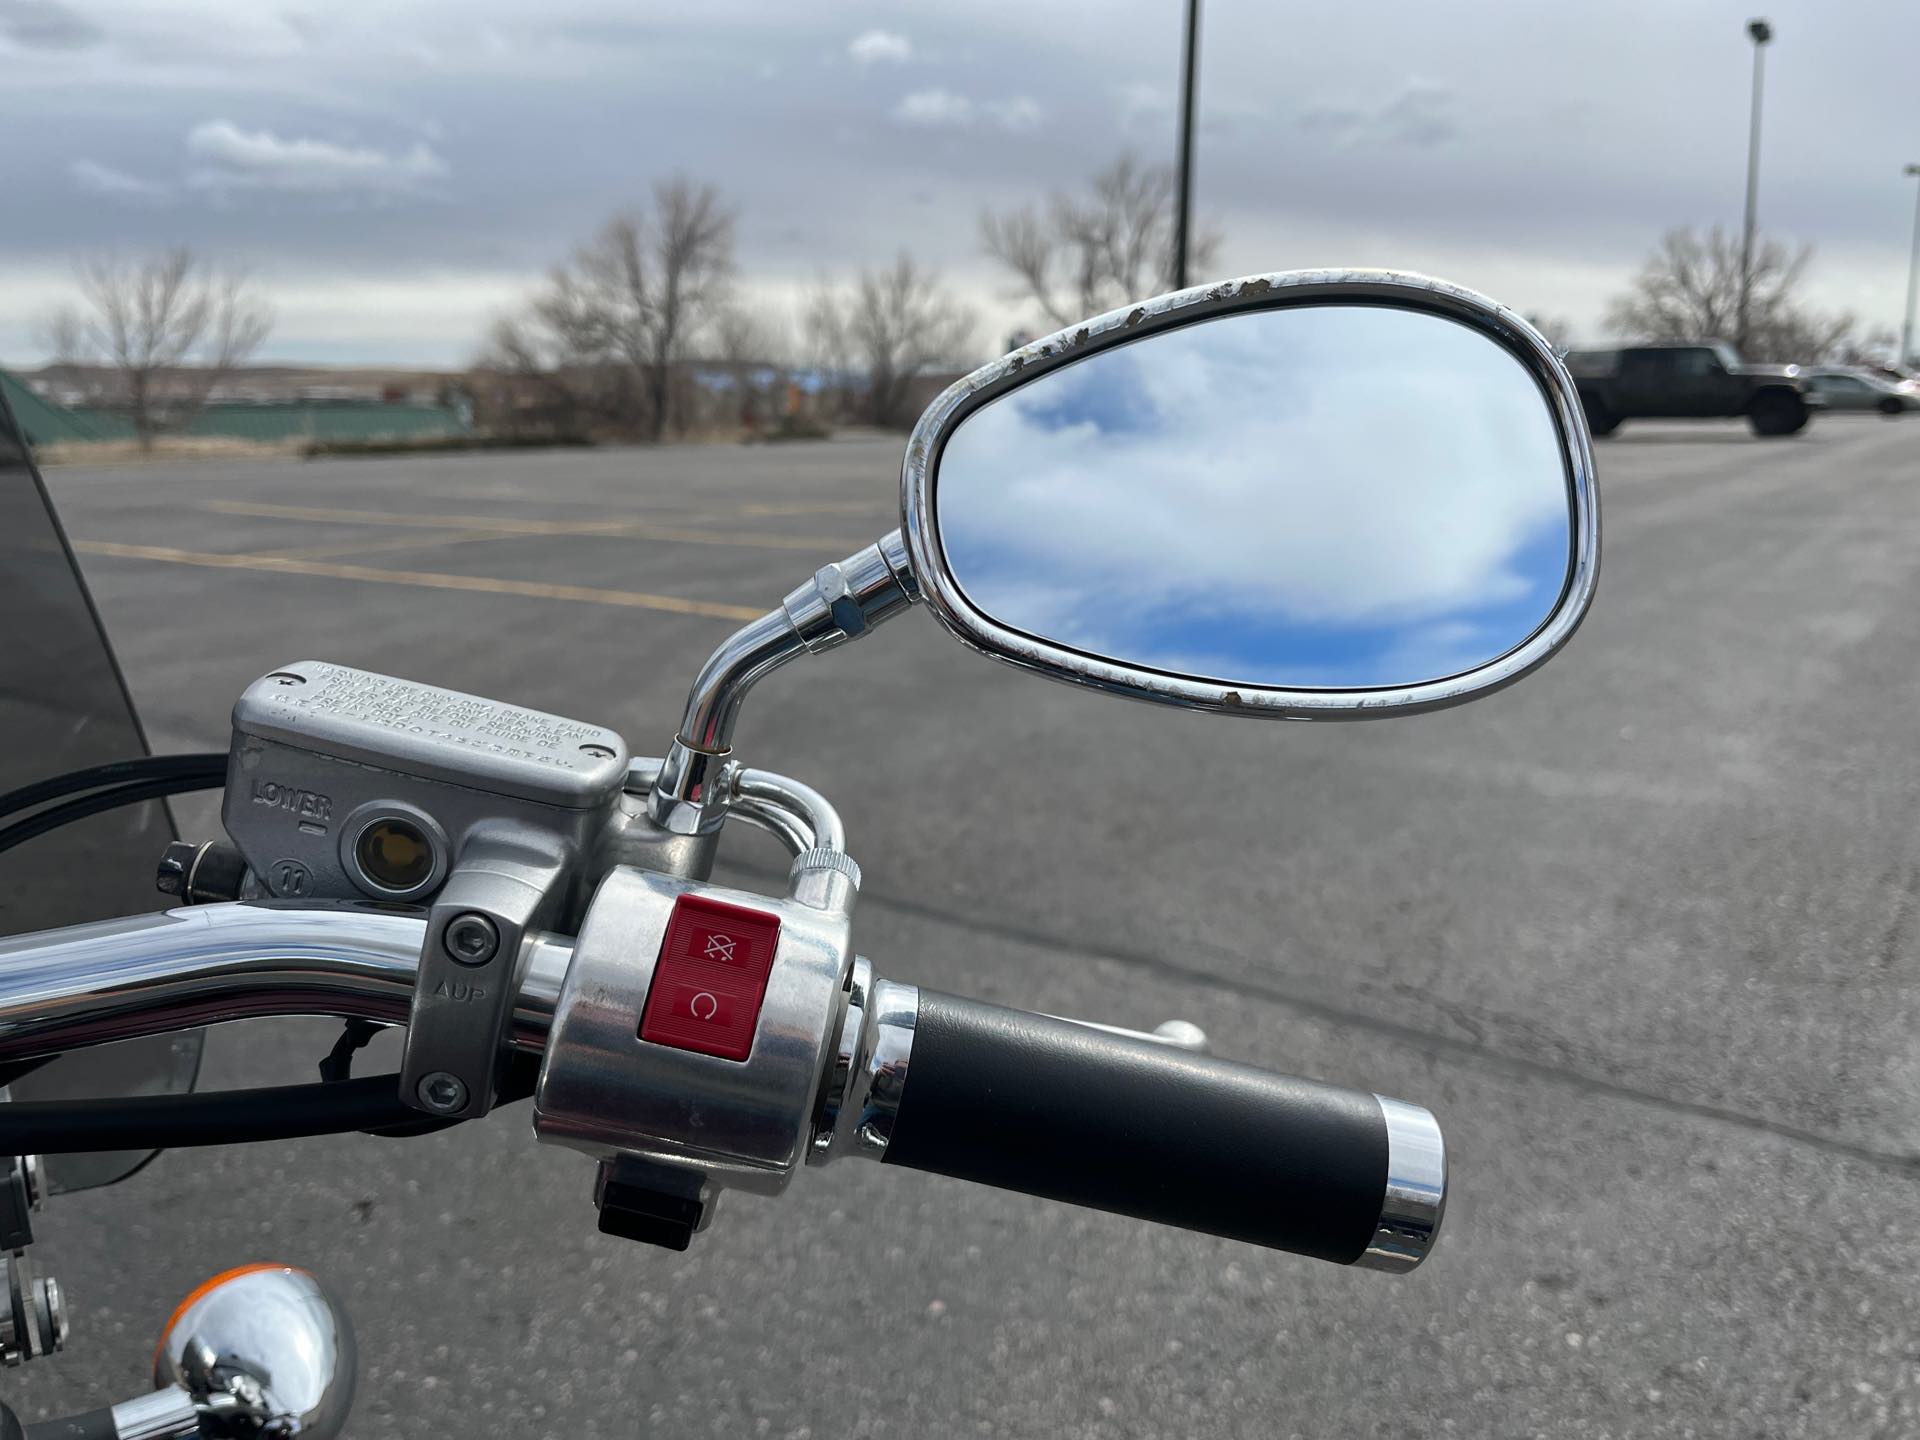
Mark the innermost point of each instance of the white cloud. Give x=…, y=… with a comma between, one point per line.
x=1241, y=458
x=934, y=107
x=817, y=187
x=939, y=107
x=98, y=179
x=1022, y=112
x=259, y=159
x=880, y=47
x=1422, y=116
x=1141, y=104
x=46, y=25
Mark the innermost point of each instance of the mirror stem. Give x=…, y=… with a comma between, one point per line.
x=842, y=602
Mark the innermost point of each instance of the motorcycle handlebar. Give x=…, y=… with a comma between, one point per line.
x=171, y=970
x=1065, y=1112
x=978, y=1092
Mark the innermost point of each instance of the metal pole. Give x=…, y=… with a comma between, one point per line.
x=1913, y=275
x=1761, y=32
x=1183, y=184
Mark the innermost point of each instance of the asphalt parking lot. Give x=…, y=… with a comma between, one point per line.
x=1641, y=931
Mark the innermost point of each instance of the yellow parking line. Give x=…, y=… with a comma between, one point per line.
x=500, y=524
x=815, y=544
x=816, y=507
x=635, y=529
x=381, y=547
x=283, y=565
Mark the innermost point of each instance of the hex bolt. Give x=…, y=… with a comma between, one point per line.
x=175, y=866
x=471, y=939
x=442, y=1092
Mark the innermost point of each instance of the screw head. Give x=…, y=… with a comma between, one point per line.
x=175, y=865
x=471, y=939
x=442, y=1092
x=598, y=752
x=287, y=677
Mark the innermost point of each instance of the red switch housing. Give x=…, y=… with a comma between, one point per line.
x=710, y=978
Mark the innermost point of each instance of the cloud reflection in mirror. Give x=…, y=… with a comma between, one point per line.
x=1317, y=497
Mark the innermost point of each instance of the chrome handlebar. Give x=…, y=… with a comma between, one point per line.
x=151, y=974
x=670, y=1124
x=199, y=965
x=828, y=1068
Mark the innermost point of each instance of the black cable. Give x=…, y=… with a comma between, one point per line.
x=212, y=764
x=144, y=1122
x=521, y=1079
x=337, y=1064
x=230, y=1117
x=111, y=798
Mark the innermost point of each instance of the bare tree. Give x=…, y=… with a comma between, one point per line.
x=521, y=385
x=61, y=334
x=1689, y=289
x=750, y=351
x=1869, y=347
x=826, y=349
x=634, y=297
x=747, y=338
x=1083, y=256
x=1556, y=330
x=899, y=323
x=824, y=343
x=169, y=327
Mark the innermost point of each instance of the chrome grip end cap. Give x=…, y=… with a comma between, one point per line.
x=1416, y=1191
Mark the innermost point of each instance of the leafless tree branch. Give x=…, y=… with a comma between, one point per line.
x=891, y=325
x=1689, y=289
x=171, y=327
x=1093, y=254
x=627, y=307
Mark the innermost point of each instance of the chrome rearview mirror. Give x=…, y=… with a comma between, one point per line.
x=1304, y=495
x=1314, y=495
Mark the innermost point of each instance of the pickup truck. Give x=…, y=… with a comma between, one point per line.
x=1690, y=381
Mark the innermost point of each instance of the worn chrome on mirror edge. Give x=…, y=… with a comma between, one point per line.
x=971, y=624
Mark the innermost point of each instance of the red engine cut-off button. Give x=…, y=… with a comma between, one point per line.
x=710, y=978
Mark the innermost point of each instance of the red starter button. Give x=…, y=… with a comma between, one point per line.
x=710, y=978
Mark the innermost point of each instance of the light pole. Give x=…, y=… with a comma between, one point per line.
x=1913, y=274
x=1183, y=182
x=1760, y=32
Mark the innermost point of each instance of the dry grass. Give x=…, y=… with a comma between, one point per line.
x=167, y=447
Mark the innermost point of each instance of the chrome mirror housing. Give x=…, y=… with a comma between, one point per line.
x=1314, y=495
x=1322, y=494
x=259, y=1350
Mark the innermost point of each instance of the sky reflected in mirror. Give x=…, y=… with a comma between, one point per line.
x=1319, y=497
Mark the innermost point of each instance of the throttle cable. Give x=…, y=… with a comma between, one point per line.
x=117, y=783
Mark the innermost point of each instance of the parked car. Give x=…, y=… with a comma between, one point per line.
x=1704, y=380
x=1850, y=387
x=1893, y=370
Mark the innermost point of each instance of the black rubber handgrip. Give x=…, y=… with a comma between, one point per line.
x=1071, y=1113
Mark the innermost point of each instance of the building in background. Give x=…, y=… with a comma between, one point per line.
x=252, y=410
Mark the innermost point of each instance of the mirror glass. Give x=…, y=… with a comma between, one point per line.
x=1331, y=496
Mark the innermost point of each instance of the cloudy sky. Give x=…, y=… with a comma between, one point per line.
x=395, y=173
